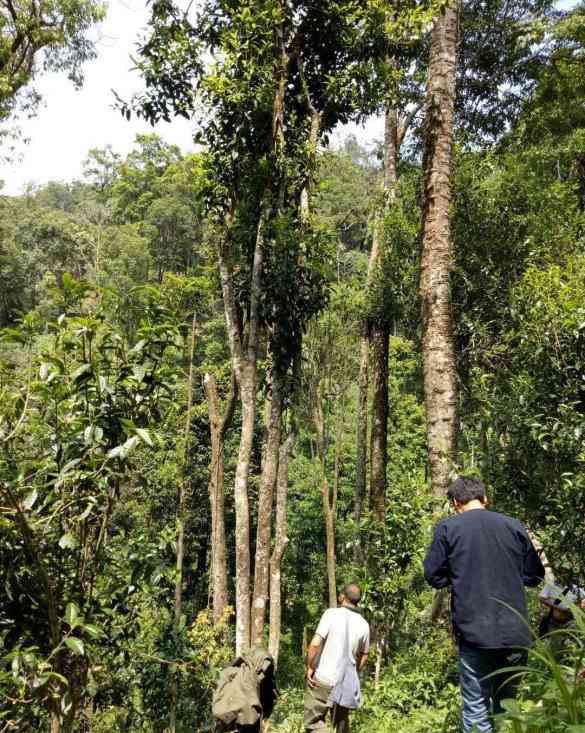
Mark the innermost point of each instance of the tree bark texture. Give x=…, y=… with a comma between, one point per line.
x=329, y=497
x=314, y=128
x=440, y=381
x=280, y=543
x=245, y=367
x=181, y=517
x=218, y=428
x=379, y=338
x=265, y=502
x=247, y=384
x=379, y=329
x=361, y=433
x=183, y=485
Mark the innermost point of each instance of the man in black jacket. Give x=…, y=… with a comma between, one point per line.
x=487, y=558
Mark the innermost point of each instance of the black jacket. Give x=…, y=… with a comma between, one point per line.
x=487, y=558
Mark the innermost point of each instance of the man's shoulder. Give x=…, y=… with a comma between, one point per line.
x=499, y=517
x=359, y=622
x=458, y=522
x=328, y=614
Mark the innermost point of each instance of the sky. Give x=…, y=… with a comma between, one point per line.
x=71, y=122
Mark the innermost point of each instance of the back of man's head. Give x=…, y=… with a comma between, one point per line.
x=466, y=489
x=353, y=593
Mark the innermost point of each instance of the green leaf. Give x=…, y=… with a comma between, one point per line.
x=30, y=500
x=138, y=347
x=139, y=371
x=71, y=614
x=92, y=631
x=70, y=465
x=76, y=645
x=78, y=373
x=144, y=436
x=123, y=451
x=68, y=541
x=92, y=434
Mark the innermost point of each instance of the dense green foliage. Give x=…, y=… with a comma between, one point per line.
x=99, y=281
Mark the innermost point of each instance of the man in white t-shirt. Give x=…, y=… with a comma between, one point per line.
x=327, y=656
x=558, y=602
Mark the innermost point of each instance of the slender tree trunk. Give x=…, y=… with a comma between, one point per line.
x=245, y=368
x=314, y=128
x=242, y=506
x=330, y=539
x=329, y=498
x=440, y=380
x=280, y=543
x=379, y=331
x=361, y=438
x=181, y=516
x=265, y=502
x=55, y=722
x=380, y=341
x=218, y=428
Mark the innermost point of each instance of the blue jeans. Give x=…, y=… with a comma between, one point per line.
x=483, y=697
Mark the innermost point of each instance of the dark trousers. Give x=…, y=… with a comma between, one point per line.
x=318, y=708
x=483, y=697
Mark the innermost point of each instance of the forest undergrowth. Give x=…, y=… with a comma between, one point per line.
x=236, y=378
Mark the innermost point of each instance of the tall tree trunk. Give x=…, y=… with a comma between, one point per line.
x=380, y=343
x=379, y=331
x=218, y=427
x=329, y=495
x=440, y=380
x=181, y=516
x=265, y=502
x=55, y=720
x=361, y=439
x=314, y=128
x=280, y=543
x=245, y=368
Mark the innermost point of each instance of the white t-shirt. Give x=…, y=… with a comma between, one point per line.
x=333, y=627
x=553, y=593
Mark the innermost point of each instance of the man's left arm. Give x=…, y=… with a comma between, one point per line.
x=363, y=653
x=312, y=656
x=362, y=661
x=315, y=646
x=533, y=567
x=436, y=563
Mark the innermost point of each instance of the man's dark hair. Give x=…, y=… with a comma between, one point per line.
x=466, y=489
x=353, y=593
